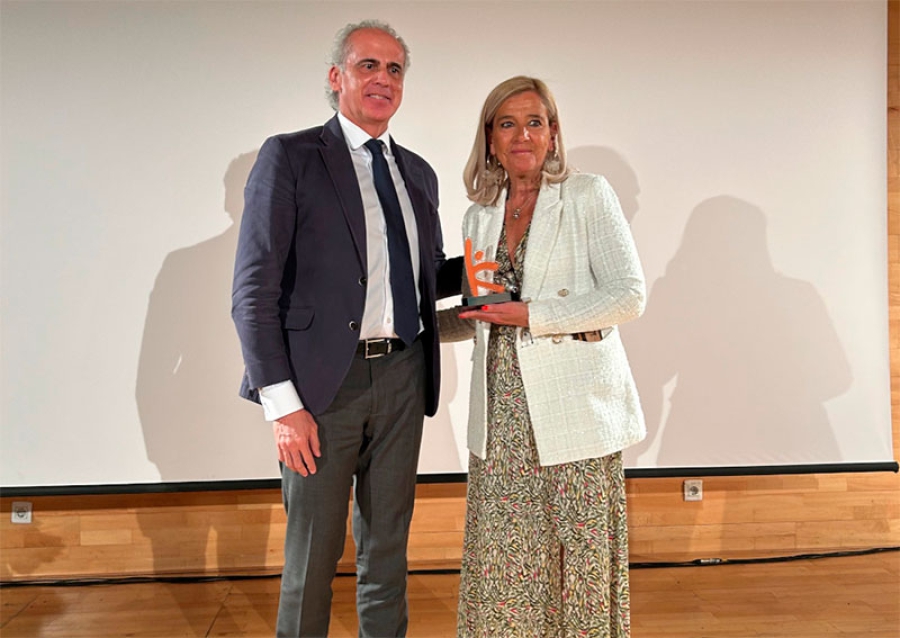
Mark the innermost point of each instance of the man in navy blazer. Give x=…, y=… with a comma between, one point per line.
x=318, y=312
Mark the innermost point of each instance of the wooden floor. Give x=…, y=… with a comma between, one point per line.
x=855, y=596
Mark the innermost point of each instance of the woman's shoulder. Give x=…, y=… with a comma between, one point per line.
x=585, y=181
x=586, y=186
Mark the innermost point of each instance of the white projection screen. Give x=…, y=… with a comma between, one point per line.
x=746, y=141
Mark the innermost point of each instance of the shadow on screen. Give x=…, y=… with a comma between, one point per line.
x=601, y=160
x=734, y=361
x=195, y=426
x=747, y=355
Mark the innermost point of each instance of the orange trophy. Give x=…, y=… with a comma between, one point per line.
x=497, y=293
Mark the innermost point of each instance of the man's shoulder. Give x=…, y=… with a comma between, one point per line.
x=415, y=160
x=411, y=156
x=299, y=138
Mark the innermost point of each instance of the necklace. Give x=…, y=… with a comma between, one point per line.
x=517, y=212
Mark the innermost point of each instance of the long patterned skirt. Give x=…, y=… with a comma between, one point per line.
x=546, y=548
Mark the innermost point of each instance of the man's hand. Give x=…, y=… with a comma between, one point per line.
x=297, y=439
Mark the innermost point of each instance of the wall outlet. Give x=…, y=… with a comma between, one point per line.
x=21, y=512
x=693, y=490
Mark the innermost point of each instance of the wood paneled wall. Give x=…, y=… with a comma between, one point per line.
x=243, y=531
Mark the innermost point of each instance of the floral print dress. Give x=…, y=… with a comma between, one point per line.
x=546, y=548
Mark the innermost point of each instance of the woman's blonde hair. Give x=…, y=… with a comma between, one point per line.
x=483, y=176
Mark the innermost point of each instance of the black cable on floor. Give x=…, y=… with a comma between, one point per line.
x=703, y=562
x=699, y=562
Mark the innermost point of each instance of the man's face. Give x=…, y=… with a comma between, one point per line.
x=370, y=88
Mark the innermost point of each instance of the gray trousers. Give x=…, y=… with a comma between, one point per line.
x=370, y=438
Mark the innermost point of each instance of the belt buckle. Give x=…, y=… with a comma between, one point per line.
x=376, y=355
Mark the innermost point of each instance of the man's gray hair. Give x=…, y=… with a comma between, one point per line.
x=341, y=49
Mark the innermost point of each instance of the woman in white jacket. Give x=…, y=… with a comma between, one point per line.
x=553, y=401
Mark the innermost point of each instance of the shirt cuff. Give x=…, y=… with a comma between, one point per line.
x=279, y=399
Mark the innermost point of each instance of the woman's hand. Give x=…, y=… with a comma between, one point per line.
x=510, y=313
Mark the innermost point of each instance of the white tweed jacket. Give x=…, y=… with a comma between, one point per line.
x=581, y=274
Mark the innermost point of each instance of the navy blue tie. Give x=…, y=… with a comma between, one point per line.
x=403, y=287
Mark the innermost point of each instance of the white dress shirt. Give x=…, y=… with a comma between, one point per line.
x=281, y=398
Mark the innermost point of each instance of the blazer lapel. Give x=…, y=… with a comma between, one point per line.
x=541, y=239
x=340, y=168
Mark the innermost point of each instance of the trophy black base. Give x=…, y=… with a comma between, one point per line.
x=484, y=300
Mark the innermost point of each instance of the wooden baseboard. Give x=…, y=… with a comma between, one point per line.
x=214, y=533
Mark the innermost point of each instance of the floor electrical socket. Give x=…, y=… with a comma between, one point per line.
x=693, y=490
x=21, y=512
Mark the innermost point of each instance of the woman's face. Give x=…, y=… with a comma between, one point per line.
x=521, y=135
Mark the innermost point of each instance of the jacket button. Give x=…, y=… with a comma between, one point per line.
x=563, y=293
x=363, y=281
x=353, y=326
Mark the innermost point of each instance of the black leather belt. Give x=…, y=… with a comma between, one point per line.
x=373, y=348
x=594, y=335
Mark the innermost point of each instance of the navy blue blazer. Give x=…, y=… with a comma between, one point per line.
x=300, y=271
